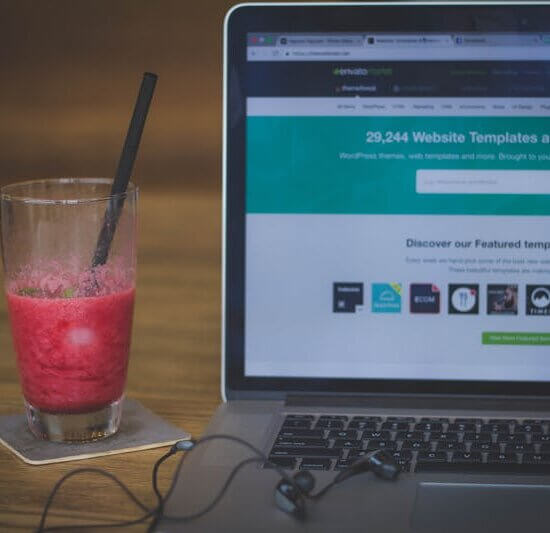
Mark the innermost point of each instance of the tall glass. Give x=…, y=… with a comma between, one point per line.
x=70, y=315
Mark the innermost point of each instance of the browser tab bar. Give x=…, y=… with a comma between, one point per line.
x=409, y=40
x=496, y=39
x=320, y=40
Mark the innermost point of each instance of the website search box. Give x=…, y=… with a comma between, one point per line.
x=430, y=181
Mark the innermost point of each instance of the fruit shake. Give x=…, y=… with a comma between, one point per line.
x=70, y=314
x=72, y=353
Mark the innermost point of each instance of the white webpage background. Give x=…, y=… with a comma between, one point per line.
x=292, y=262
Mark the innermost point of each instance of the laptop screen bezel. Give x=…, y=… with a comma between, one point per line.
x=381, y=17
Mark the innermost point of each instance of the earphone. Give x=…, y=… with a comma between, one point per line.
x=291, y=494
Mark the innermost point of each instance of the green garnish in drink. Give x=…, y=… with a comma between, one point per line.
x=30, y=291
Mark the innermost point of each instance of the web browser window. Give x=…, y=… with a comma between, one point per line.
x=397, y=202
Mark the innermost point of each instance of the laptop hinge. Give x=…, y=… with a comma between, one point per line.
x=400, y=401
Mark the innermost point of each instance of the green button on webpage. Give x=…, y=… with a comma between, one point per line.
x=515, y=338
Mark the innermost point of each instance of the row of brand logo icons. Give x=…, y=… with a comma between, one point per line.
x=425, y=298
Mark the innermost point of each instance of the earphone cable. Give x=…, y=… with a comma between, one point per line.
x=157, y=513
x=72, y=473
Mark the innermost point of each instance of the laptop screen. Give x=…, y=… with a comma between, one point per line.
x=396, y=206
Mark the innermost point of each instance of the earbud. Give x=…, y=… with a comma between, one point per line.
x=383, y=465
x=290, y=495
x=380, y=462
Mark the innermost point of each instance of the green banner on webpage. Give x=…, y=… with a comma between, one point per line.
x=398, y=165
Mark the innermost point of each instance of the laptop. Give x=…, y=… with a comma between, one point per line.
x=386, y=268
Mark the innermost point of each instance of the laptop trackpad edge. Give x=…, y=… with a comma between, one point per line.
x=487, y=507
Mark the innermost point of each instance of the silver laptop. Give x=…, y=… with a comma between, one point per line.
x=386, y=268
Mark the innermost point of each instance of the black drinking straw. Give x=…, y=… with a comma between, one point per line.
x=124, y=170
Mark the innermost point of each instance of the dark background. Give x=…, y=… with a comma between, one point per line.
x=70, y=71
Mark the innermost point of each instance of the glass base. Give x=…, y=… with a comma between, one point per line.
x=81, y=427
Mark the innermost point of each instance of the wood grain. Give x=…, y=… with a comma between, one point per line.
x=174, y=365
x=71, y=71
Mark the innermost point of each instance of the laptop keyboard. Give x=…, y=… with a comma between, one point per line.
x=332, y=442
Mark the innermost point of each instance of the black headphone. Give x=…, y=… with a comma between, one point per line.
x=291, y=493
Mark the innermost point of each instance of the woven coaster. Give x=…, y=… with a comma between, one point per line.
x=140, y=429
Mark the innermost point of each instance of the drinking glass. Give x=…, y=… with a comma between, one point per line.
x=70, y=296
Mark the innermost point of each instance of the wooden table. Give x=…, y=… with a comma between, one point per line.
x=174, y=364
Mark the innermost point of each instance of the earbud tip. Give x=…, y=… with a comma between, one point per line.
x=289, y=499
x=384, y=465
x=305, y=481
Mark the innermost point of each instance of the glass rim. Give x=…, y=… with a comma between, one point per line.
x=6, y=193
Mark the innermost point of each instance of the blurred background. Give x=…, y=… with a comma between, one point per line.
x=71, y=70
x=70, y=74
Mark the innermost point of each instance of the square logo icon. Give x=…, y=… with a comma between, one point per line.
x=502, y=299
x=463, y=299
x=386, y=297
x=347, y=297
x=424, y=298
x=538, y=300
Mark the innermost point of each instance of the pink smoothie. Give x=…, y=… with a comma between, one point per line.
x=72, y=352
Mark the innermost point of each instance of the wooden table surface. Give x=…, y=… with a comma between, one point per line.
x=174, y=365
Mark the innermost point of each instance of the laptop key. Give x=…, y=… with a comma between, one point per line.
x=379, y=435
x=362, y=424
x=329, y=424
x=299, y=417
x=538, y=438
x=406, y=419
x=431, y=457
x=536, y=458
x=354, y=454
x=485, y=447
x=545, y=447
x=347, y=443
x=444, y=436
x=449, y=446
x=283, y=462
x=297, y=423
x=429, y=426
x=495, y=428
x=466, y=457
x=297, y=442
x=416, y=445
x=461, y=426
x=409, y=435
x=381, y=444
x=315, y=464
x=519, y=447
x=299, y=432
x=528, y=428
x=442, y=420
x=341, y=464
x=305, y=452
x=395, y=426
x=333, y=417
x=513, y=437
x=367, y=418
x=507, y=458
x=478, y=437
x=342, y=434
x=402, y=457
